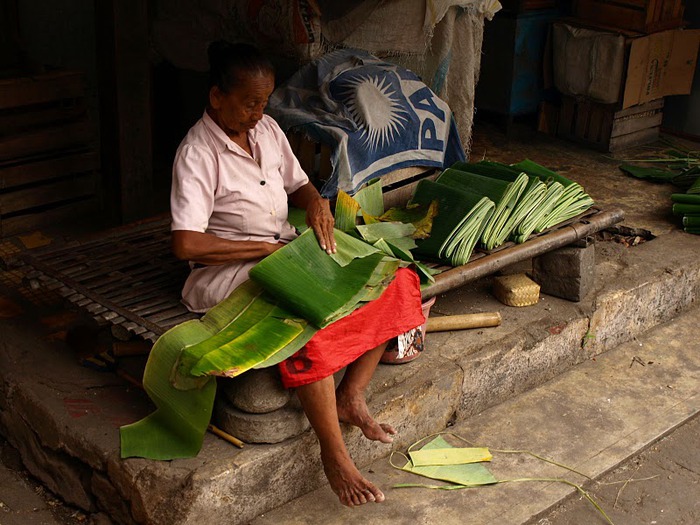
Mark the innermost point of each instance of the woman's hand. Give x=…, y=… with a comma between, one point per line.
x=318, y=215
x=320, y=219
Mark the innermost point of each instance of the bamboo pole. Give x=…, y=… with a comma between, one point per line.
x=463, y=322
x=487, y=265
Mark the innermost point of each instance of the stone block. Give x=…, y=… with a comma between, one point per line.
x=271, y=427
x=256, y=391
x=567, y=272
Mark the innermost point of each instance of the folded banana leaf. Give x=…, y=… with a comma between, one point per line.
x=464, y=475
x=310, y=283
x=686, y=209
x=458, y=225
x=686, y=198
x=505, y=196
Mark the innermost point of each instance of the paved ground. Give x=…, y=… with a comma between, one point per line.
x=595, y=418
x=25, y=501
x=660, y=486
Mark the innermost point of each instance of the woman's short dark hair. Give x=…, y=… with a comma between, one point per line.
x=229, y=62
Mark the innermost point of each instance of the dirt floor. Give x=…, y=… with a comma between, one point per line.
x=660, y=486
x=25, y=501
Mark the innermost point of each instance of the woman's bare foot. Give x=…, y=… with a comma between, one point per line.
x=347, y=482
x=353, y=409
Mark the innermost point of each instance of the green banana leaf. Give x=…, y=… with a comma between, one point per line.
x=653, y=174
x=371, y=199
x=176, y=429
x=297, y=218
x=420, y=216
x=385, y=230
x=308, y=282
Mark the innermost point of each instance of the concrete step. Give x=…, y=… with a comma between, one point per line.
x=591, y=418
x=64, y=419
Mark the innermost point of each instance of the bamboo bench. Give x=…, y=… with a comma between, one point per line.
x=128, y=278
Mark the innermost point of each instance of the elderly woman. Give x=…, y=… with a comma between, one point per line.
x=232, y=178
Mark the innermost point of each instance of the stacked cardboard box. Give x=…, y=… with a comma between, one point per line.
x=613, y=79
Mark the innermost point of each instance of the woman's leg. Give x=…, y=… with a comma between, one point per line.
x=319, y=403
x=350, y=397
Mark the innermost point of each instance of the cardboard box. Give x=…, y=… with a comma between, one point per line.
x=618, y=67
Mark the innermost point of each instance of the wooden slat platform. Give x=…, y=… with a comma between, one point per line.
x=130, y=280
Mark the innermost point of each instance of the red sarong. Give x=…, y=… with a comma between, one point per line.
x=396, y=311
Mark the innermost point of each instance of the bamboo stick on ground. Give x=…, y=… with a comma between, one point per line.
x=225, y=436
x=463, y=322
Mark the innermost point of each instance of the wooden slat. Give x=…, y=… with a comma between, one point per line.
x=644, y=136
x=41, y=88
x=31, y=172
x=633, y=110
x=644, y=16
x=58, y=191
x=19, y=121
x=648, y=119
x=24, y=223
x=44, y=141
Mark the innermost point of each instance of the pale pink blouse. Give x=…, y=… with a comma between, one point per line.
x=218, y=188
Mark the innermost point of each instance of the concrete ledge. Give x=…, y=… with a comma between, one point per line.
x=64, y=418
x=591, y=418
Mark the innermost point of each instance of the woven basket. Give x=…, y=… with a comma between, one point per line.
x=516, y=290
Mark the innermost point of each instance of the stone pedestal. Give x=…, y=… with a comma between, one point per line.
x=256, y=408
x=256, y=391
x=567, y=272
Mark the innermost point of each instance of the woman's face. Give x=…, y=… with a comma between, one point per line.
x=241, y=108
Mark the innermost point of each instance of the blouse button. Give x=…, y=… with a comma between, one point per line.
x=277, y=236
x=262, y=183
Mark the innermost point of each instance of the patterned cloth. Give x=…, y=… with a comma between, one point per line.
x=377, y=117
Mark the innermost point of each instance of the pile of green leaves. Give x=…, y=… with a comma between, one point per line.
x=680, y=167
x=487, y=203
x=687, y=205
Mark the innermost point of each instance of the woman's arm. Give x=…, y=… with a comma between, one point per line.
x=318, y=214
x=205, y=248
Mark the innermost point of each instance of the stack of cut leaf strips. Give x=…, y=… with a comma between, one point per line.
x=487, y=203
